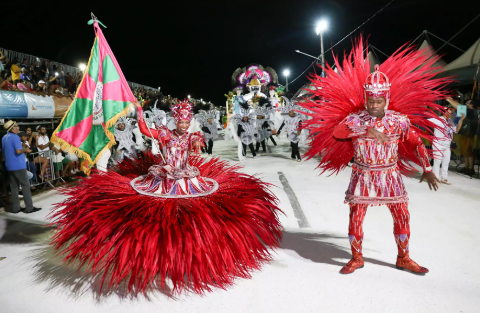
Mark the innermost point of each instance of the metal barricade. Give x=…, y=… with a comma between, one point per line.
x=44, y=168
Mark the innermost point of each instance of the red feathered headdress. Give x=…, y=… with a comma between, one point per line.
x=182, y=111
x=377, y=85
x=413, y=92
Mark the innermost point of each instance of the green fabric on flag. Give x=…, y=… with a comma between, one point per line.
x=96, y=141
x=112, y=107
x=79, y=110
x=110, y=73
x=94, y=65
x=87, y=129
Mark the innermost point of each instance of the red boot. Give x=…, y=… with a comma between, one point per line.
x=357, y=256
x=403, y=259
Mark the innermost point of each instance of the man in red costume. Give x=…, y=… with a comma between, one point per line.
x=376, y=179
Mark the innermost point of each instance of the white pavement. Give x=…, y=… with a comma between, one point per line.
x=304, y=274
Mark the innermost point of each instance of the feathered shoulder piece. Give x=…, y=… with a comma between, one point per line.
x=406, y=79
x=204, y=115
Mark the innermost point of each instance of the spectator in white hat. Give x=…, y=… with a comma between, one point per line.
x=14, y=154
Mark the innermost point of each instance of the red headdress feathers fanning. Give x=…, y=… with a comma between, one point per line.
x=405, y=79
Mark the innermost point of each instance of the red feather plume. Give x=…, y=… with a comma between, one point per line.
x=196, y=243
x=413, y=92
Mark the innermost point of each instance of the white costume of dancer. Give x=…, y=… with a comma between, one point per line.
x=124, y=139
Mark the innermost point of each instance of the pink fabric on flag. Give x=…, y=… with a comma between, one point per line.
x=87, y=90
x=104, y=51
x=114, y=91
x=77, y=134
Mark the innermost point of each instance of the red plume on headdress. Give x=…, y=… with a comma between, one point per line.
x=182, y=111
x=413, y=93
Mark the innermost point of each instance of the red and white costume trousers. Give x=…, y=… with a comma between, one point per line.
x=401, y=226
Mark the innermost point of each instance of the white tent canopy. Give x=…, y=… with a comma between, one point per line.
x=469, y=58
x=373, y=61
x=428, y=51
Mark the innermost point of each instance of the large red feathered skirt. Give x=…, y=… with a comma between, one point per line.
x=197, y=243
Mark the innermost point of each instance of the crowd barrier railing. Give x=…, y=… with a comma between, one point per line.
x=47, y=168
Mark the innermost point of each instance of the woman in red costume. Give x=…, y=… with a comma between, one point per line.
x=199, y=224
x=372, y=118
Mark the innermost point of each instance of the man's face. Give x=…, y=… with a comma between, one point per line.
x=291, y=113
x=182, y=126
x=121, y=126
x=449, y=113
x=245, y=118
x=209, y=121
x=376, y=106
x=43, y=130
x=23, y=138
x=16, y=129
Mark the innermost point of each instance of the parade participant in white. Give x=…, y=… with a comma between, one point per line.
x=208, y=127
x=265, y=128
x=123, y=132
x=246, y=129
x=292, y=121
x=441, y=148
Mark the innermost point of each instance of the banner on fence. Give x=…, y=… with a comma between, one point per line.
x=26, y=105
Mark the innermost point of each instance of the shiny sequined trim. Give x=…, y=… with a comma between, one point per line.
x=213, y=182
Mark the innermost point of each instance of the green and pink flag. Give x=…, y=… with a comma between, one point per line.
x=102, y=97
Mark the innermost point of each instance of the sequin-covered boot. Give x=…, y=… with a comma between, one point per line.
x=357, y=256
x=403, y=259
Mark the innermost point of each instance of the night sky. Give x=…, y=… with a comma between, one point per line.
x=193, y=47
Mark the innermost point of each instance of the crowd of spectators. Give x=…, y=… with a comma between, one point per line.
x=47, y=78
x=44, y=78
x=468, y=130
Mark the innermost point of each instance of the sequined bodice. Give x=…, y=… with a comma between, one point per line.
x=369, y=152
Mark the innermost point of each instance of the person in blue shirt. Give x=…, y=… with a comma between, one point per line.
x=14, y=154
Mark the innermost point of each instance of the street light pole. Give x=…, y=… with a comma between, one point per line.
x=286, y=73
x=323, y=56
x=322, y=26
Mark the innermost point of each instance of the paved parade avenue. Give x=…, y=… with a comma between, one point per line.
x=304, y=275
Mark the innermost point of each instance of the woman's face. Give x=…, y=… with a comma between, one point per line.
x=182, y=126
x=29, y=131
